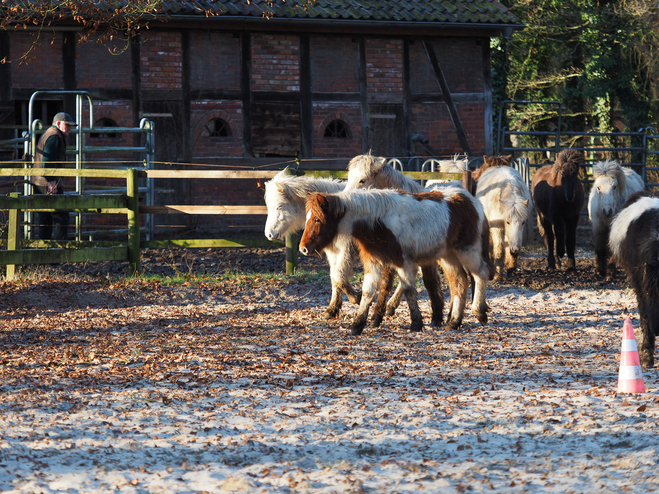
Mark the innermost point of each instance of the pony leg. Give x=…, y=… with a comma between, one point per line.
x=649, y=330
x=601, y=238
x=372, y=277
x=407, y=276
x=571, y=241
x=386, y=284
x=474, y=264
x=458, y=282
x=394, y=300
x=434, y=288
x=545, y=226
x=498, y=251
x=341, y=263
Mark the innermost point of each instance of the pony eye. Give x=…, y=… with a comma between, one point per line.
x=317, y=220
x=362, y=181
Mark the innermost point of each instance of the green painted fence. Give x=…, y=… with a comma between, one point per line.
x=25, y=252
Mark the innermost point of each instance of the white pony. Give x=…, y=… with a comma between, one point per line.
x=449, y=166
x=612, y=185
x=506, y=201
x=285, y=198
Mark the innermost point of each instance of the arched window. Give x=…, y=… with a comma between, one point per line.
x=105, y=122
x=216, y=127
x=338, y=129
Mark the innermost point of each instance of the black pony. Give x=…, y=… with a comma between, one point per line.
x=634, y=243
x=558, y=197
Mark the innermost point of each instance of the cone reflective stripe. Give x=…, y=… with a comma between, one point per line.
x=630, y=377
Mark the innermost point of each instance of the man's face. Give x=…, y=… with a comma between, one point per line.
x=64, y=127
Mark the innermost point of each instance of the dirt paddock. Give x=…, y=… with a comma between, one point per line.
x=234, y=382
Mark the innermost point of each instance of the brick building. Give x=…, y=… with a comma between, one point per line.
x=246, y=89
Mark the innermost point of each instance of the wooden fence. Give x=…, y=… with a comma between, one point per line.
x=25, y=252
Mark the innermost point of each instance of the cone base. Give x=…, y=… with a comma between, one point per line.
x=631, y=386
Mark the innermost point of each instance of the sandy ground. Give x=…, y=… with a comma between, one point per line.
x=243, y=386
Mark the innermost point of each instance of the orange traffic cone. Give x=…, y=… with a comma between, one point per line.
x=630, y=377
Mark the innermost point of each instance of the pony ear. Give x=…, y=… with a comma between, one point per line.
x=526, y=203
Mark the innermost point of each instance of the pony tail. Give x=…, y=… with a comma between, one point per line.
x=485, y=248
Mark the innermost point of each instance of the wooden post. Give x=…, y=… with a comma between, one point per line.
x=291, y=244
x=466, y=180
x=132, y=203
x=12, y=237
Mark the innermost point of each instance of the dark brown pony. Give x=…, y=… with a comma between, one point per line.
x=558, y=197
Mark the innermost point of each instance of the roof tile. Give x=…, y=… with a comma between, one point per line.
x=453, y=11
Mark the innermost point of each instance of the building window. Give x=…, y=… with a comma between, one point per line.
x=338, y=129
x=105, y=122
x=216, y=127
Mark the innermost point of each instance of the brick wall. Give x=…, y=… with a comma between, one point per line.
x=215, y=61
x=207, y=146
x=384, y=68
x=42, y=67
x=98, y=67
x=461, y=62
x=275, y=63
x=327, y=147
x=434, y=122
x=334, y=64
x=161, y=60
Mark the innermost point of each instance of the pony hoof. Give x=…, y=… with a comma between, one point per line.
x=376, y=320
x=331, y=313
x=453, y=326
x=415, y=328
x=482, y=319
x=356, y=329
x=436, y=323
x=390, y=311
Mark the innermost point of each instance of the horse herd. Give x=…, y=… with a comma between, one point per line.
x=397, y=227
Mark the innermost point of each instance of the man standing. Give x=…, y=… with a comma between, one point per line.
x=51, y=153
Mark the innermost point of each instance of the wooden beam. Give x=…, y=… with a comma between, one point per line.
x=185, y=209
x=63, y=202
x=455, y=117
x=207, y=243
x=53, y=256
x=208, y=174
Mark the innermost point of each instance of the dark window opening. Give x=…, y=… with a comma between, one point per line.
x=105, y=122
x=216, y=128
x=338, y=129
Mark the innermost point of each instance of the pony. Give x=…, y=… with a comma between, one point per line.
x=558, y=196
x=449, y=166
x=365, y=171
x=406, y=231
x=285, y=198
x=634, y=243
x=612, y=185
x=506, y=201
x=488, y=162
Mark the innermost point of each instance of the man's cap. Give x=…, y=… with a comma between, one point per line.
x=64, y=117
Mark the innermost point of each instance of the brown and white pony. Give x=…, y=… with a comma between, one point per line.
x=558, y=197
x=366, y=171
x=634, y=243
x=406, y=231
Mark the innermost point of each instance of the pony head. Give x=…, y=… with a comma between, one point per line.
x=608, y=183
x=285, y=208
x=363, y=171
x=497, y=160
x=324, y=212
x=567, y=166
x=516, y=211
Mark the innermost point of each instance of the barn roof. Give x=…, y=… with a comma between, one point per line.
x=457, y=13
